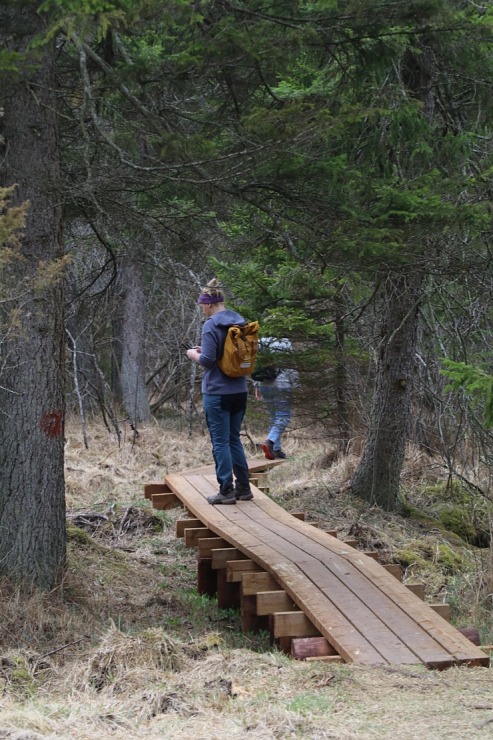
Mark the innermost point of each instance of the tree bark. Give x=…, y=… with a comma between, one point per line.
x=377, y=476
x=32, y=501
x=341, y=386
x=132, y=373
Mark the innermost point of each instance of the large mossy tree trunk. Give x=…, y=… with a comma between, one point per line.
x=32, y=490
x=377, y=476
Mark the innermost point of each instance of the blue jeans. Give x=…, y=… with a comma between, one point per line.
x=278, y=403
x=224, y=415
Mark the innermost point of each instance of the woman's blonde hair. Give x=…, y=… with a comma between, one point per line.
x=214, y=290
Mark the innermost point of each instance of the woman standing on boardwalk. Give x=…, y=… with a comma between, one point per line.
x=224, y=398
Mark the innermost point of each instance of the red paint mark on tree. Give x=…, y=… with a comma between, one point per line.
x=51, y=423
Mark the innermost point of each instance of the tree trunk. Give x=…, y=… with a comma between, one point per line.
x=132, y=374
x=377, y=476
x=341, y=386
x=32, y=503
x=88, y=392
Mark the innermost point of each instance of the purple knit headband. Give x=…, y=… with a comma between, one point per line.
x=208, y=300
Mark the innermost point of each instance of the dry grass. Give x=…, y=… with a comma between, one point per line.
x=127, y=649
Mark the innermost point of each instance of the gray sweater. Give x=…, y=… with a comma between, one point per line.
x=214, y=331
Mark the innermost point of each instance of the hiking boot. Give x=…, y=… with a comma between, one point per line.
x=268, y=449
x=279, y=455
x=225, y=496
x=243, y=492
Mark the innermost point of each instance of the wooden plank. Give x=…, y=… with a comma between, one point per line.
x=293, y=624
x=183, y=524
x=269, y=602
x=472, y=633
x=250, y=620
x=164, y=501
x=417, y=588
x=192, y=536
x=235, y=568
x=283, y=643
x=298, y=515
x=255, y=464
x=222, y=555
x=310, y=647
x=443, y=610
x=262, y=481
x=351, y=543
x=228, y=594
x=157, y=487
x=208, y=544
x=252, y=583
x=394, y=569
x=206, y=577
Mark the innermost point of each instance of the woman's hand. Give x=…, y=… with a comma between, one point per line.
x=194, y=353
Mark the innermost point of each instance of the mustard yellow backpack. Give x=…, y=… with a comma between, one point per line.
x=240, y=350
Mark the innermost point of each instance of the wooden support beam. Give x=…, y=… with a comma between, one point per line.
x=252, y=583
x=228, y=594
x=283, y=643
x=262, y=477
x=208, y=544
x=332, y=532
x=206, y=578
x=395, y=569
x=235, y=568
x=442, y=609
x=221, y=556
x=192, y=536
x=417, y=588
x=163, y=501
x=298, y=515
x=472, y=634
x=157, y=487
x=370, y=554
x=250, y=620
x=262, y=482
x=183, y=524
x=269, y=602
x=351, y=543
x=293, y=624
x=310, y=647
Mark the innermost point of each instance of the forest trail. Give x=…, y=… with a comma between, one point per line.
x=297, y=581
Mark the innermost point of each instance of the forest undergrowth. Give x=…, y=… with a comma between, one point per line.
x=127, y=648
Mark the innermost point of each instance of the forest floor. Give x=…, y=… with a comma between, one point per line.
x=126, y=648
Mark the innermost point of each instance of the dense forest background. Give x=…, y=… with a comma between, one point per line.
x=331, y=162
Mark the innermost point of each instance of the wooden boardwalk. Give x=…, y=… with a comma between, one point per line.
x=299, y=582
